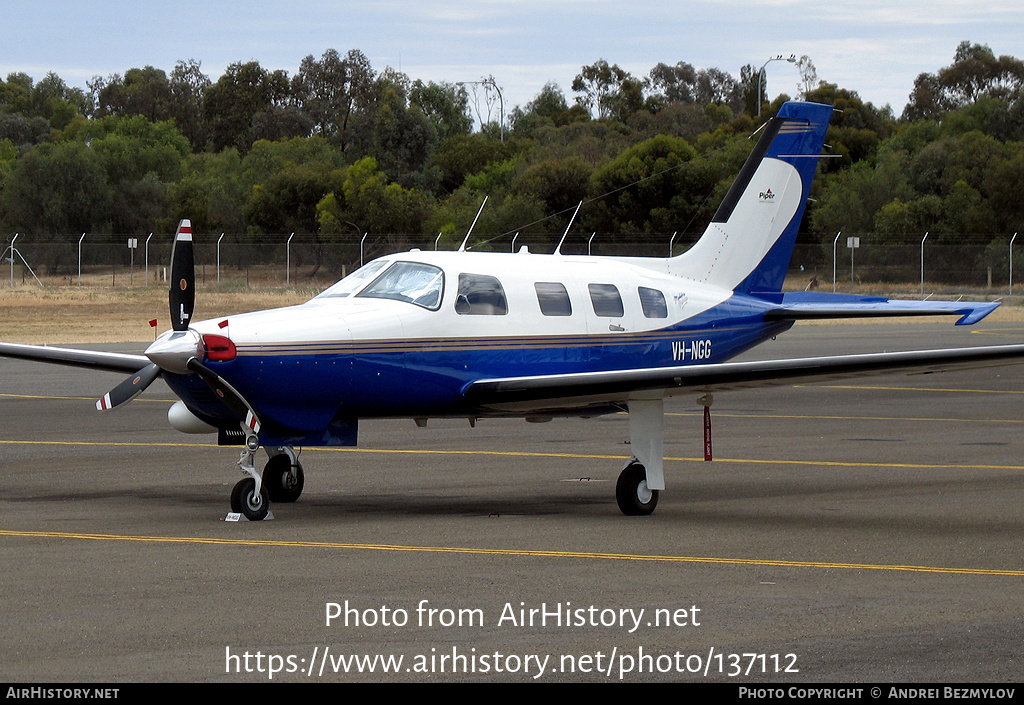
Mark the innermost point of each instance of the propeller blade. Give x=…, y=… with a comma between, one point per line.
x=129, y=389
x=242, y=410
x=182, y=293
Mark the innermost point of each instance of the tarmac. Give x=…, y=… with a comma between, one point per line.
x=865, y=531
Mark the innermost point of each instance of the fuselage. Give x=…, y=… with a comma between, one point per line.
x=405, y=335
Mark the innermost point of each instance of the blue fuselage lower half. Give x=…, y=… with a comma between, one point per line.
x=302, y=390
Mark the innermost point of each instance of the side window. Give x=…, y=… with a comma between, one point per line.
x=606, y=300
x=480, y=295
x=653, y=303
x=553, y=299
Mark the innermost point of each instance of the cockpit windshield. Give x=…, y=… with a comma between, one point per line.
x=354, y=281
x=415, y=282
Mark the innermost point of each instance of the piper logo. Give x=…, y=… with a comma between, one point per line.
x=767, y=196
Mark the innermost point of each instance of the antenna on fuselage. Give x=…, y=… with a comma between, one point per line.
x=573, y=218
x=462, y=247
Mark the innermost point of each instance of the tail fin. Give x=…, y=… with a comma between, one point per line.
x=748, y=244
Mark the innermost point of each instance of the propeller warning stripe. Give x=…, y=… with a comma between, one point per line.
x=252, y=422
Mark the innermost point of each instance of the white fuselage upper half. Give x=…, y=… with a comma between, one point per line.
x=479, y=294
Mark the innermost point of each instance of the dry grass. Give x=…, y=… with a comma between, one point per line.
x=68, y=315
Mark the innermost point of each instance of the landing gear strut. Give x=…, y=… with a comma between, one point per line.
x=249, y=497
x=282, y=480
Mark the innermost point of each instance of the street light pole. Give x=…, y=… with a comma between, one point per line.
x=791, y=59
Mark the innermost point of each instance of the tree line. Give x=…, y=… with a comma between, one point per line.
x=339, y=149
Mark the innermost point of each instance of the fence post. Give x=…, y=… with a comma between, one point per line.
x=147, y=261
x=13, y=239
x=834, y=243
x=922, y=262
x=80, y=260
x=1011, y=262
x=218, y=257
x=288, y=261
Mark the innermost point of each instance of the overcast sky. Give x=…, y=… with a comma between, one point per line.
x=875, y=47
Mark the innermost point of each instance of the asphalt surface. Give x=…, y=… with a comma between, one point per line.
x=865, y=531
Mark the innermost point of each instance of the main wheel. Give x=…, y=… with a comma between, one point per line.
x=632, y=493
x=282, y=484
x=245, y=500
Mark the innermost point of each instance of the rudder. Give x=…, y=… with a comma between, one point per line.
x=749, y=242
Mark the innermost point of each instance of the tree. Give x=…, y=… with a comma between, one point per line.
x=445, y=105
x=367, y=203
x=210, y=192
x=58, y=188
x=287, y=202
x=677, y=84
x=718, y=87
x=808, y=76
x=188, y=86
x=334, y=91
x=609, y=91
x=232, y=103
x=975, y=72
x=144, y=91
x=641, y=186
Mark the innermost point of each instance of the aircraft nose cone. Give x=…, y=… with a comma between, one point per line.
x=172, y=350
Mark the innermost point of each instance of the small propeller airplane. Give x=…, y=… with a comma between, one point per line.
x=478, y=334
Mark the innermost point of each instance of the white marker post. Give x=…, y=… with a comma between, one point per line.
x=852, y=243
x=133, y=244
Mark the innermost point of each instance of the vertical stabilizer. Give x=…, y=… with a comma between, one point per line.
x=748, y=244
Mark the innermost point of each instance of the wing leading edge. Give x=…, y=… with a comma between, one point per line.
x=91, y=359
x=582, y=390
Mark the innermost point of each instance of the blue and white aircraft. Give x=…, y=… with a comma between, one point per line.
x=475, y=334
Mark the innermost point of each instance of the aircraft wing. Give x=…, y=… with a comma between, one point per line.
x=808, y=305
x=581, y=390
x=108, y=361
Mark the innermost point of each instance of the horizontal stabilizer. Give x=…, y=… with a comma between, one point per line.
x=800, y=306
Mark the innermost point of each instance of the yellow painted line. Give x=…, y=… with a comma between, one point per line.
x=528, y=454
x=262, y=543
x=908, y=389
x=825, y=417
x=52, y=398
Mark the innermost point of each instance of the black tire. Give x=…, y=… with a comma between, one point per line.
x=282, y=484
x=245, y=500
x=632, y=494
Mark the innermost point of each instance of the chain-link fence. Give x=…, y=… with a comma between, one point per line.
x=981, y=262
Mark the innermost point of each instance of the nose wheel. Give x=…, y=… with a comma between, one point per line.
x=251, y=504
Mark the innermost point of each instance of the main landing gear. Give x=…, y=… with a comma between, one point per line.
x=282, y=481
x=633, y=495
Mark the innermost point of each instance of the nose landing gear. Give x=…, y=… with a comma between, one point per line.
x=282, y=481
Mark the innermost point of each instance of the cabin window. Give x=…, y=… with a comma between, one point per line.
x=606, y=300
x=414, y=282
x=653, y=303
x=553, y=299
x=480, y=295
x=354, y=281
